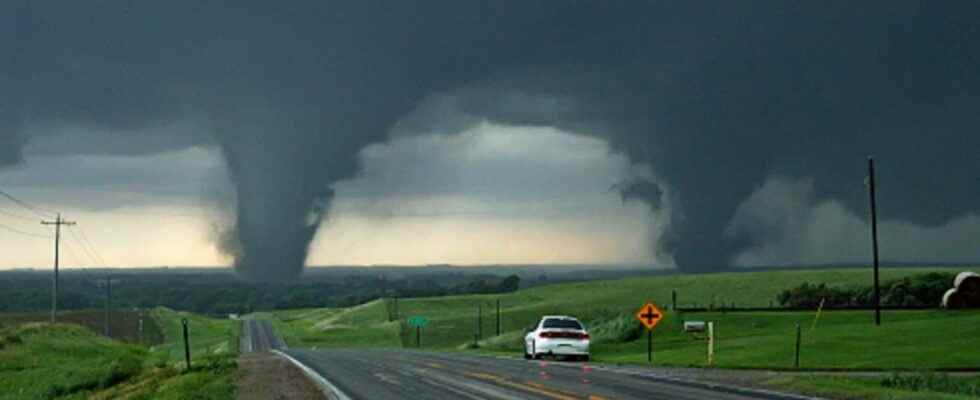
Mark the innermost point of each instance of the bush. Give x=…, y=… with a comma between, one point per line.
x=918, y=291
x=619, y=329
x=933, y=382
x=9, y=340
x=810, y=296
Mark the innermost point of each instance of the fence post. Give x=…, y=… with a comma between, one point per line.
x=673, y=299
x=799, y=335
x=187, y=344
x=498, y=317
x=711, y=344
x=479, y=322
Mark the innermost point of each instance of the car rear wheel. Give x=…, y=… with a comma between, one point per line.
x=527, y=356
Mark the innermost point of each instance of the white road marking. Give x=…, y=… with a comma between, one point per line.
x=328, y=389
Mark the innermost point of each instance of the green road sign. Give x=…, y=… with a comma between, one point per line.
x=418, y=321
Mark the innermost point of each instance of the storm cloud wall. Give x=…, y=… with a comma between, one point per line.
x=716, y=97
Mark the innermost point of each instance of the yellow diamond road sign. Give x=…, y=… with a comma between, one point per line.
x=649, y=315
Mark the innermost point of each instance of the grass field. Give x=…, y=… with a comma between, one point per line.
x=913, y=340
x=70, y=361
x=839, y=339
x=365, y=325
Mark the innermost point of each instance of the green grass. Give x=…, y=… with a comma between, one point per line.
x=870, y=388
x=124, y=323
x=211, y=378
x=207, y=335
x=69, y=361
x=841, y=339
x=42, y=361
x=361, y=326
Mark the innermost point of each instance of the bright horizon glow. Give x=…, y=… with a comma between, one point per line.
x=475, y=206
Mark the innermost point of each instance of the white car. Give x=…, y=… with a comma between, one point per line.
x=558, y=336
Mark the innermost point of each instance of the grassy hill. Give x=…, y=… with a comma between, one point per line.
x=39, y=360
x=839, y=339
x=124, y=323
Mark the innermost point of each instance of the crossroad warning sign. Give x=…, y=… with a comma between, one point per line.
x=649, y=315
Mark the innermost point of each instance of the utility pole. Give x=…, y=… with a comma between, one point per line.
x=108, y=305
x=874, y=237
x=58, y=222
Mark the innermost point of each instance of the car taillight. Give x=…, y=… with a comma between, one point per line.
x=564, y=335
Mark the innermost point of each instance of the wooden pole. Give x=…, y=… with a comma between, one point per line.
x=874, y=237
x=711, y=344
x=650, y=346
x=498, y=317
x=799, y=336
x=187, y=344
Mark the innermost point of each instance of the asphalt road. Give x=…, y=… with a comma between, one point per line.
x=383, y=374
x=407, y=374
x=259, y=335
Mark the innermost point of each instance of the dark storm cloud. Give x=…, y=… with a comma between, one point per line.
x=715, y=96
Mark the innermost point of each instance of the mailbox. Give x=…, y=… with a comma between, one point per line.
x=695, y=326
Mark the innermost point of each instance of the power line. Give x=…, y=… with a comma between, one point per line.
x=35, y=209
x=14, y=215
x=90, y=244
x=86, y=247
x=20, y=232
x=79, y=261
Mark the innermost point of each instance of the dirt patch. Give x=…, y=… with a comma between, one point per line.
x=265, y=376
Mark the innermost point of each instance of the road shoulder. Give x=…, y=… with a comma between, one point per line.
x=268, y=376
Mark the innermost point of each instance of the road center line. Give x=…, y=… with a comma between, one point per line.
x=544, y=391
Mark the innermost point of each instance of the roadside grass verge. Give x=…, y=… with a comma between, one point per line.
x=69, y=361
x=943, y=387
x=214, y=348
x=212, y=377
x=920, y=339
x=45, y=361
x=208, y=336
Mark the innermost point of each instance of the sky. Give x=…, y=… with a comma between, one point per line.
x=487, y=197
x=700, y=136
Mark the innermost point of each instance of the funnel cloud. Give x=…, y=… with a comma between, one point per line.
x=715, y=97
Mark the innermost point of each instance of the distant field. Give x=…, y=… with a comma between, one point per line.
x=124, y=323
x=841, y=339
x=360, y=326
x=208, y=335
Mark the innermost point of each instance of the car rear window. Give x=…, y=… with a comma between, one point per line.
x=562, y=324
